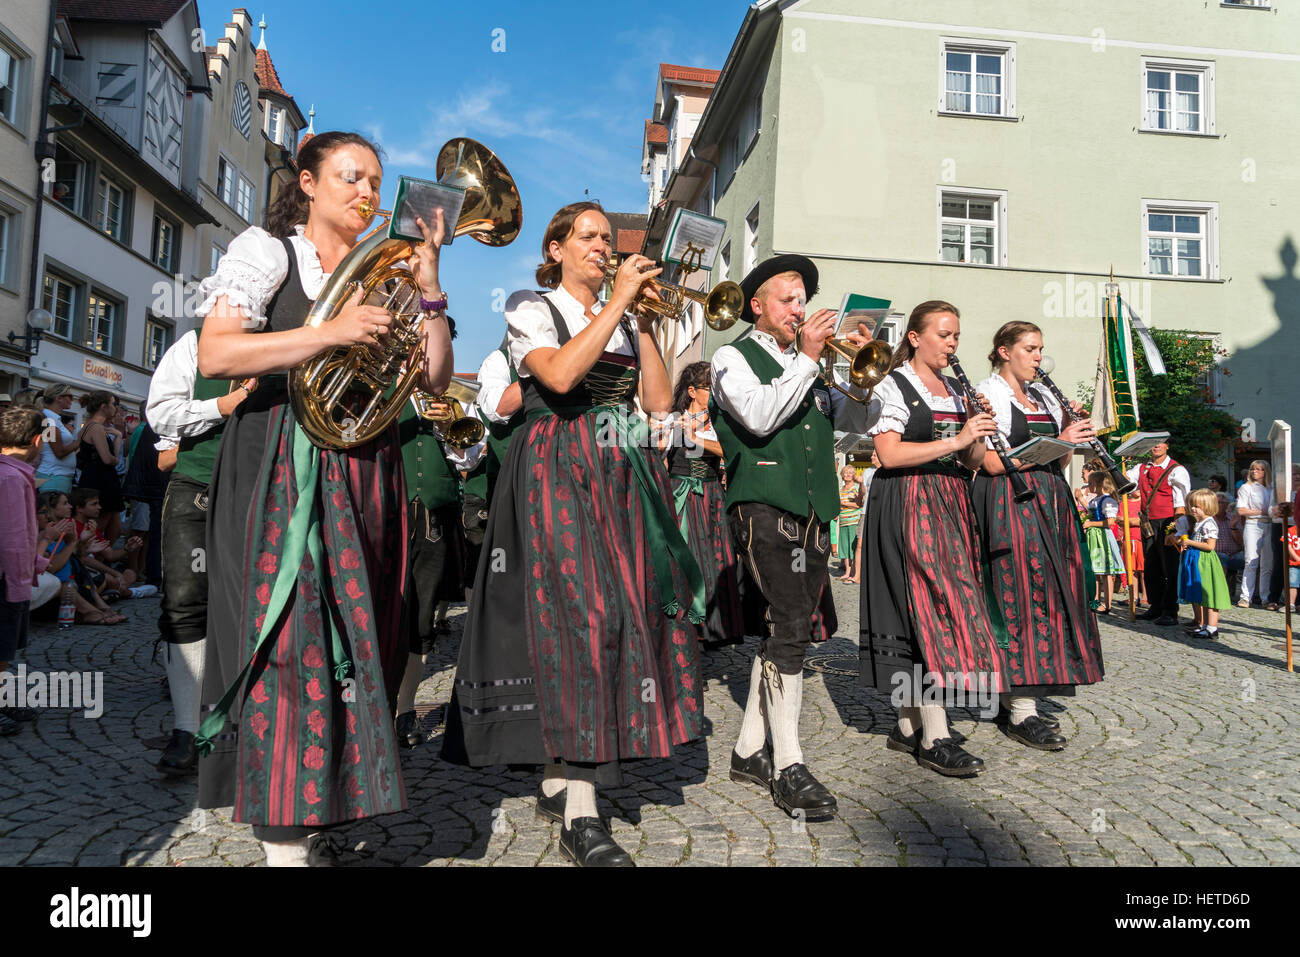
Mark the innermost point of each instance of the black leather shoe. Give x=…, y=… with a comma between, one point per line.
x=1051, y=721
x=1164, y=621
x=1034, y=732
x=1004, y=718
x=1150, y=614
x=551, y=808
x=800, y=794
x=949, y=759
x=589, y=844
x=180, y=757
x=19, y=714
x=896, y=741
x=407, y=730
x=756, y=769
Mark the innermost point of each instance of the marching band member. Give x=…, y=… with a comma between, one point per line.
x=773, y=416
x=304, y=614
x=577, y=651
x=435, y=558
x=923, y=606
x=1032, y=548
x=500, y=406
x=694, y=465
x=188, y=411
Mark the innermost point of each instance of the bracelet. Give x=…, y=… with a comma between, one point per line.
x=433, y=305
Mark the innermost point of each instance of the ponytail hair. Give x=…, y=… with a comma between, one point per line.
x=291, y=206
x=917, y=322
x=558, y=230
x=1010, y=333
x=696, y=375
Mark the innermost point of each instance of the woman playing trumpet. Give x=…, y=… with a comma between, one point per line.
x=1033, y=548
x=577, y=651
x=305, y=545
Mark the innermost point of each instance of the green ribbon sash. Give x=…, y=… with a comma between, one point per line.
x=686, y=486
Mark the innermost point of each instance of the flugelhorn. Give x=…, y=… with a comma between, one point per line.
x=722, y=304
x=347, y=396
x=868, y=365
x=458, y=429
x=1123, y=485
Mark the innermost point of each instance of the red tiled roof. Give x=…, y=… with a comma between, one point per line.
x=121, y=11
x=655, y=132
x=690, y=74
x=303, y=142
x=629, y=240
x=267, y=78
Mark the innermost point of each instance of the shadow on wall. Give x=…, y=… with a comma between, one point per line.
x=1269, y=369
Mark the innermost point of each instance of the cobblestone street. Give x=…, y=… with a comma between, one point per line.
x=1184, y=755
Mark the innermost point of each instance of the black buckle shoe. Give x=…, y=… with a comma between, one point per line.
x=949, y=759
x=910, y=745
x=756, y=769
x=1034, y=733
x=589, y=844
x=1051, y=720
x=19, y=714
x=551, y=808
x=800, y=794
x=180, y=757
x=407, y=730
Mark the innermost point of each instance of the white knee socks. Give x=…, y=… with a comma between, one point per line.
x=286, y=853
x=753, y=727
x=1019, y=707
x=185, y=681
x=553, y=780
x=909, y=719
x=934, y=724
x=411, y=679
x=579, y=802
x=784, y=694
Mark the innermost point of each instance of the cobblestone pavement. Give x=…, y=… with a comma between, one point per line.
x=1184, y=755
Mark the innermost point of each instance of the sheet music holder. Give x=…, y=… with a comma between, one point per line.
x=1042, y=450
x=1140, y=443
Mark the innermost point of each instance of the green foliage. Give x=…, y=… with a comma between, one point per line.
x=1178, y=402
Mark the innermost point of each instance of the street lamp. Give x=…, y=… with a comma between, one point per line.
x=38, y=321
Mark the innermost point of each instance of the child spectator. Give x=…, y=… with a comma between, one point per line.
x=99, y=551
x=1103, y=549
x=65, y=553
x=1293, y=563
x=1200, y=576
x=21, y=431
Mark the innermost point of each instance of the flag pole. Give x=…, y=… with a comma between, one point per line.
x=1128, y=554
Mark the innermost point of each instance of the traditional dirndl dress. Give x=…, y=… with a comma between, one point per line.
x=1200, y=574
x=1103, y=547
x=700, y=503
x=1038, y=583
x=306, y=563
x=923, y=599
x=577, y=646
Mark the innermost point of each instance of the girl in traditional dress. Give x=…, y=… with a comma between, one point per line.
x=695, y=468
x=578, y=652
x=1103, y=549
x=850, y=513
x=1201, y=582
x=306, y=546
x=1037, y=583
x=925, y=623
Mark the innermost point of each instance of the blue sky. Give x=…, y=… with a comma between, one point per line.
x=563, y=106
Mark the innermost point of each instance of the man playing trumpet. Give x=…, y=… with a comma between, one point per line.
x=773, y=413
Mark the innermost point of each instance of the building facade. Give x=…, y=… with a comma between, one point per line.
x=1006, y=155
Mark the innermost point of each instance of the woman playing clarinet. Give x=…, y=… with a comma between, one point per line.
x=577, y=651
x=924, y=618
x=1032, y=548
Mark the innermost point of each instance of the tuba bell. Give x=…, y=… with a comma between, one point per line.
x=346, y=396
x=457, y=429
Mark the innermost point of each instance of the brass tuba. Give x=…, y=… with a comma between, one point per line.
x=347, y=396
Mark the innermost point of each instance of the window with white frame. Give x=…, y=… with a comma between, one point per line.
x=102, y=316
x=158, y=339
x=274, y=124
x=59, y=299
x=234, y=189
x=10, y=63
x=244, y=199
x=214, y=257
x=112, y=213
x=972, y=227
x=724, y=263
x=1177, y=96
x=977, y=78
x=6, y=223
x=165, y=251
x=751, y=239
x=69, y=186
x=1180, y=240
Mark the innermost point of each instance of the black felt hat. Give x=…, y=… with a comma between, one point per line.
x=774, y=267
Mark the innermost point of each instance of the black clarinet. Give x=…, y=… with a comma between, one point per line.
x=1123, y=484
x=1023, y=493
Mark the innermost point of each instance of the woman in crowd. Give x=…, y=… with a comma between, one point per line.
x=850, y=513
x=97, y=458
x=695, y=469
x=1253, y=502
x=1038, y=584
x=923, y=607
x=306, y=545
x=577, y=651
